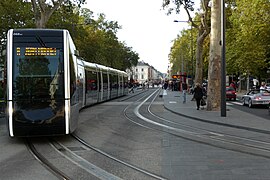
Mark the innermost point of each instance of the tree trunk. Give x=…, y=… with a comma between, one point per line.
x=214, y=68
x=202, y=34
x=43, y=11
x=41, y=22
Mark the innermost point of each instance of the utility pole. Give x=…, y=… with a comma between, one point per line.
x=223, y=62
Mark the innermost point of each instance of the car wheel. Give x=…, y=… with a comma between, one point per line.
x=243, y=102
x=250, y=103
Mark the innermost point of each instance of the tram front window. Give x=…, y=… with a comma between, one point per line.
x=38, y=73
x=38, y=80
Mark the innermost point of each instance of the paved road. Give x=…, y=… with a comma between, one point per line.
x=155, y=149
x=260, y=111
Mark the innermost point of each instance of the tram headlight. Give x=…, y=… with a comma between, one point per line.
x=10, y=109
x=10, y=118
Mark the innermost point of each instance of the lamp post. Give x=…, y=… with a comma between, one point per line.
x=182, y=58
x=223, y=62
x=192, y=60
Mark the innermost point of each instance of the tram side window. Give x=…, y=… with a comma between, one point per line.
x=121, y=81
x=91, y=81
x=125, y=82
x=111, y=81
x=115, y=81
x=105, y=81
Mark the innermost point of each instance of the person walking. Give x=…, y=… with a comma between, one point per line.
x=184, y=90
x=198, y=94
x=263, y=87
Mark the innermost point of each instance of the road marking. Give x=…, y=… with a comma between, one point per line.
x=233, y=103
x=83, y=163
x=164, y=92
x=172, y=102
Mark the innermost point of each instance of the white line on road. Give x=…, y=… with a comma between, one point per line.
x=233, y=103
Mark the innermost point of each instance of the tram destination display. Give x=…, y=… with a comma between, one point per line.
x=36, y=51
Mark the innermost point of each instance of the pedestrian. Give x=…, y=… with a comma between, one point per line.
x=263, y=87
x=184, y=90
x=198, y=94
x=233, y=85
x=165, y=85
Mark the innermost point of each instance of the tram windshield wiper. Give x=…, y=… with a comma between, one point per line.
x=41, y=42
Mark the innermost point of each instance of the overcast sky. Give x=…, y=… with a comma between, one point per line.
x=145, y=27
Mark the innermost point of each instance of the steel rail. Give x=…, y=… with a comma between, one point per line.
x=43, y=161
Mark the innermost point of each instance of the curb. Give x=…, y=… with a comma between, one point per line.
x=219, y=123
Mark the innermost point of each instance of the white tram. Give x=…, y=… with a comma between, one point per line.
x=47, y=83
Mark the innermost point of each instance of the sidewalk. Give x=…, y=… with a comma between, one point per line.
x=173, y=102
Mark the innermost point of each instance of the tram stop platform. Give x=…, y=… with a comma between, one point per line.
x=173, y=101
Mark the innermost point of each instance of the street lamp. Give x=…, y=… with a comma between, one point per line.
x=223, y=62
x=191, y=44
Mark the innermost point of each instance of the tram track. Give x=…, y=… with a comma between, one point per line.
x=135, y=113
x=197, y=134
x=81, y=162
x=136, y=168
x=73, y=158
x=77, y=160
x=152, y=121
x=48, y=165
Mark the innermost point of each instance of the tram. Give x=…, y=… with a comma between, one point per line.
x=47, y=83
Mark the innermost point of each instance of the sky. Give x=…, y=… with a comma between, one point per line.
x=145, y=27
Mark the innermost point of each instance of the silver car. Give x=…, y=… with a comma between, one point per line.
x=256, y=97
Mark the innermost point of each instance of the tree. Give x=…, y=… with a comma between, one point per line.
x=181, y=55
x=214, y=73
x=96, y=39
x=213, y=103
x=43, y=10
x=100, y=44
x=203, y=28
x=21, y=19
x=248, y=45
x=129, y=57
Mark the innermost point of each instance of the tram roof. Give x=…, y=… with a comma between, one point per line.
x=102, y=67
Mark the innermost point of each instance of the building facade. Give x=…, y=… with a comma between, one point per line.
x=144, y=72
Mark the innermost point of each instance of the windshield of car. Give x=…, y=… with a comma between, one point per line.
x=265, y=93
x=229, y=89
x=262, y=92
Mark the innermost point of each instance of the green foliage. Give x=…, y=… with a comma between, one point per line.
x=175, y=5
x=96, y=39
x=101, y=45
x=248, y=37
x=182, y=55
x=13, y=14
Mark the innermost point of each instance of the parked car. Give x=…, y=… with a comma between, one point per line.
x=267, y=86
x=256, y=97
x=230, y=93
